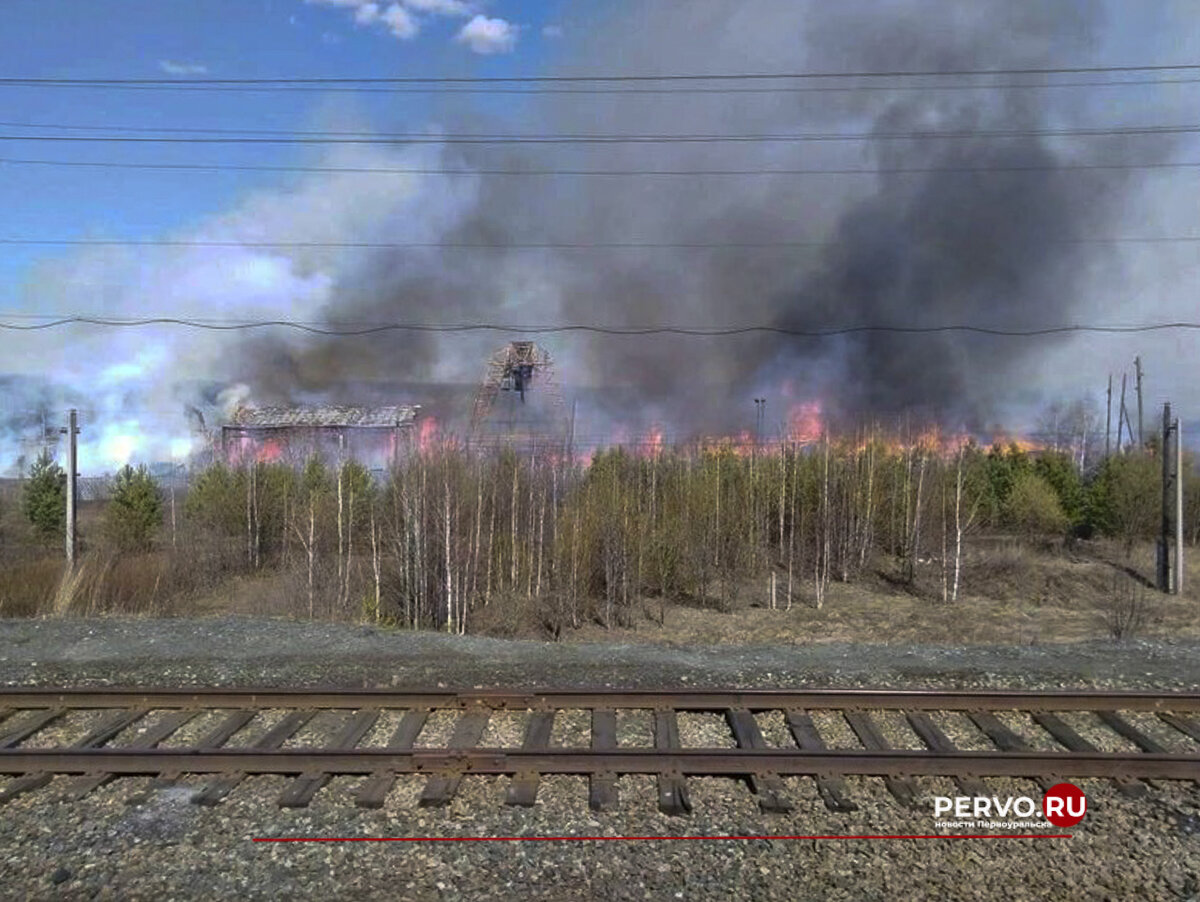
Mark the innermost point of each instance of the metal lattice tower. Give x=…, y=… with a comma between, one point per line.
x=522, y=368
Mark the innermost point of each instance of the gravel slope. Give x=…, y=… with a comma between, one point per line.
x=104, y=848
x=241, y=651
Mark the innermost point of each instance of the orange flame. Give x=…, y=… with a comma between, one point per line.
x=269, y=451
x=1005, y=440
x=805, y=423
x=654, y=442
x=427, y=434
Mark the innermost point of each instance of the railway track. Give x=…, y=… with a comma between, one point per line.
x=96, y=736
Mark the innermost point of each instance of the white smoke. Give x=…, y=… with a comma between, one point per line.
x=134, y=385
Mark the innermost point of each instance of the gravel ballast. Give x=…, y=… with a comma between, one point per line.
x=167, y=848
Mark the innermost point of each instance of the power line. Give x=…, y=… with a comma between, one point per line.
x=550, y=245
x=541, y=90
x=280, y=136
x=433, y=170
x=621, y=78
x=676, y=85
x=371, y=329
x=417, y=245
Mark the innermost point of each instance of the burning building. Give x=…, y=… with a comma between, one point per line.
x=374, y=436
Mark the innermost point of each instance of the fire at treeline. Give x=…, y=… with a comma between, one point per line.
x=375, y=514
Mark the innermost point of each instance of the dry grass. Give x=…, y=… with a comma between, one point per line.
x=1127, y=609
x=101, y=583
x=1011, y=595
x=269, y=593
x=28, y=588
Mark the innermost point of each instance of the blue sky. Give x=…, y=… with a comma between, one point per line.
x=219, y=39
x=119, y=375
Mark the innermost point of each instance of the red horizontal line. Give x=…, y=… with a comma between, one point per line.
x=635, y=838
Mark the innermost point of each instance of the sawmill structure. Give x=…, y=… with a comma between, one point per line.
x=519, y=402
x=374, y=436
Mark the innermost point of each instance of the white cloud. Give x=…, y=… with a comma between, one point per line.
x=367, y=13
x=397, y=17
x=173, y=68
x=484, y=35
x=552, y=31
x=400, y=22
x=441, y=7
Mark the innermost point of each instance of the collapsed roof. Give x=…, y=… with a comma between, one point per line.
x=325, y=416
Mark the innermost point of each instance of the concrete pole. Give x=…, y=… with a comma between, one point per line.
x=174, y=474
x=571, y=432
x=1122, y=417
x=1178, y=584
x=72, y=430
x=1137, y=364
x=1108, y=421
x=1164, y=548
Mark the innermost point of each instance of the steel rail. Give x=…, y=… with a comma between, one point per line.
x=680, y=700
x=694, y=762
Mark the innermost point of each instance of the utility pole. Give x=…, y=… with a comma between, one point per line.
x=72, y=430
x=1108, y=421
x=1163, y=561
x=571, y=432
x=1122, y=416
x=1178, y=587
x=1170, y=566
x=174, y=473
x=1137, y=365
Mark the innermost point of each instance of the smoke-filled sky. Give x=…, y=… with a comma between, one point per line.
x=1012, y=239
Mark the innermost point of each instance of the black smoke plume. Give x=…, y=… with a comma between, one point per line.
x=996, y=237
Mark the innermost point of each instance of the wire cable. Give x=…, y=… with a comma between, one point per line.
x=434, y=170
x=629, y=91
x=513, y=246
x=622, y=77
x=280, y=136
x=716, y=332
x=623, y=89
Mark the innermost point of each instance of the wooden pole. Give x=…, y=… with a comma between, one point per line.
x=1108, y=421
x=1137, y=364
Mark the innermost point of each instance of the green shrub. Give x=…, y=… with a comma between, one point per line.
x=1003, y=466
x=1124, y=500
x=135, y=512
x=1058, y=469
x=216, y=500
x=1032, y=508
x=44, y=500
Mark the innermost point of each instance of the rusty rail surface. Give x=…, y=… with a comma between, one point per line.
x=680, y=700
x=149, y=717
